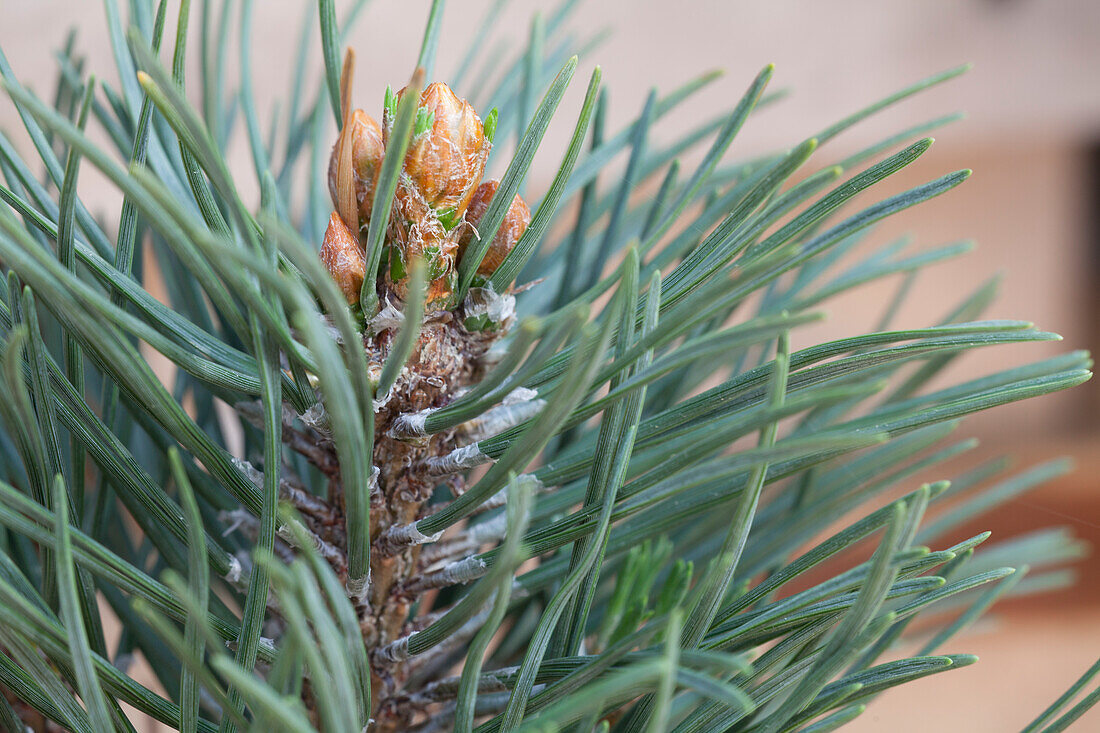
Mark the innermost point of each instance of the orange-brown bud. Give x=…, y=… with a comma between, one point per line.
x=343, y=257
x=447, y=154
x=365, y=137
x=443, y=165
x=514, y=225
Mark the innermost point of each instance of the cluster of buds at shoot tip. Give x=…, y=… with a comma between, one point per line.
x=438, y=203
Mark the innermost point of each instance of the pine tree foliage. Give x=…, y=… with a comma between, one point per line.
x=626, y=506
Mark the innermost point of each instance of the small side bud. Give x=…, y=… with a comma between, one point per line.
x=343, y=257
x=514, y=225
x=366, y=156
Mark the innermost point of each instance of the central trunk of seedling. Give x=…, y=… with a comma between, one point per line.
x=445, y=359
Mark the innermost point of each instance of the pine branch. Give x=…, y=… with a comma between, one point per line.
x=483, y=470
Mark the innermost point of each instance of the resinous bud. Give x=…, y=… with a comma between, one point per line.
x=344, y=258
x=447, y=153
x=511, y=229
x=441, y=170
x=367, y=151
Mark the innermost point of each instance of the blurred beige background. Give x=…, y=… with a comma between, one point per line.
x=1033, y=205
